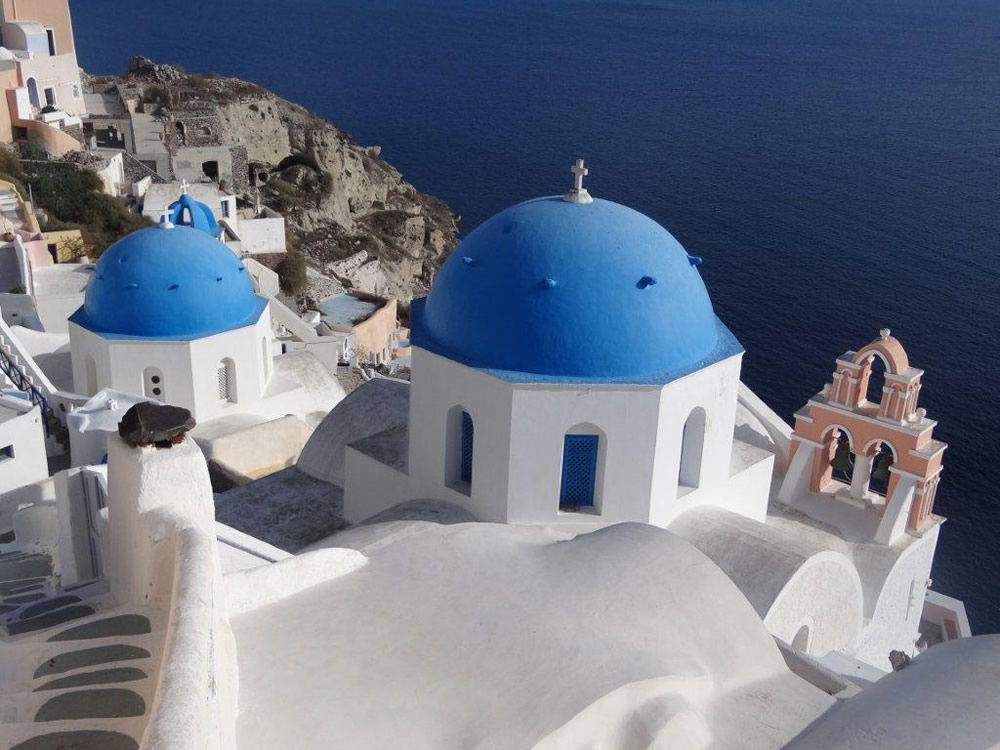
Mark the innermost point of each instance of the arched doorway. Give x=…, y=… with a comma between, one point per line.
x=583, y=449
x=460, y=444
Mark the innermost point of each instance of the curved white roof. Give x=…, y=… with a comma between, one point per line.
x=489, y=635
x=370, y=408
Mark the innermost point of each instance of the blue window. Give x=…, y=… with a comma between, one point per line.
x=468, y=434
x=579, y=471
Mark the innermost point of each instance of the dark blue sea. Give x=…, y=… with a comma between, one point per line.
x=837, y=164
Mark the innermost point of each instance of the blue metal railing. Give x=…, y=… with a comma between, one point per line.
x=21, y=382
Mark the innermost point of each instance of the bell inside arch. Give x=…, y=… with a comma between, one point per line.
x=879, y=483
x=843, y=460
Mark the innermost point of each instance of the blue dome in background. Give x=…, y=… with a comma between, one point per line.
x=187, y=212
x=168, y=282
x=554, y=290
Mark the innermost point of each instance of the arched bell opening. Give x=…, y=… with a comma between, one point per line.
x=843, y=459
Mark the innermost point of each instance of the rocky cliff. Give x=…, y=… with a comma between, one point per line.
x=350, y=213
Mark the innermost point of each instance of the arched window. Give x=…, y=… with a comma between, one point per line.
x=152, y=384
x=878, y=479
x=692, y=448
x=90, y=369
x=801, y=640
x=876, y=379
x=33, y=95
x=226, y=380
x=460, y=450
x=581, y=463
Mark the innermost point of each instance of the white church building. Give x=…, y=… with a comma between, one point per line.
x=170, y=314
x=569, y=370
x=575, y=528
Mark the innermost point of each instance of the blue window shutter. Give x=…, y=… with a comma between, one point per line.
x=579, y=470
x=468, y=435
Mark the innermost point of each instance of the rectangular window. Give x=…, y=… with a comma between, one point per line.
x=6, y=453
x=225, y=209
x=468, y=434
x=50, y=97
x=579, y=471
x=52, y=41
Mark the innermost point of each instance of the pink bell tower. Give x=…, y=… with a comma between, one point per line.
x=867, y=440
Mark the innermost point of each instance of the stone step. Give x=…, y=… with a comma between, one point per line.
x=115, y=625
x=73, y=659
x=25, y=597
x=20, y=586
x=29, y=664
x=79, y=739
x=49, y=619
x=32, y=566
x=56, y=602
x=85, y=734
x=106, y=676
x=89, y=702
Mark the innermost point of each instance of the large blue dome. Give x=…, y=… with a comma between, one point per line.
x=550, y=289
x=170, y=282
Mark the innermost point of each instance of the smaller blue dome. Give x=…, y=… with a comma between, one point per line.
x=169, y=283
x=187, y=212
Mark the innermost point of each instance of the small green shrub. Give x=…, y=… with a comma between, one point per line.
x=292, y=273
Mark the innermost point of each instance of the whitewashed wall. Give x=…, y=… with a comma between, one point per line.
x=21, y=429
x=188, y=367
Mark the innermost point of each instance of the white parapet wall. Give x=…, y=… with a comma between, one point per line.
x=163, y=553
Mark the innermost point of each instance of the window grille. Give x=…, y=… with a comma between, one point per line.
x=468, y=435
x=223, y=381
x=579, y=470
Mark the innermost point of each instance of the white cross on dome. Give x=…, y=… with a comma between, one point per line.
x=578, y=194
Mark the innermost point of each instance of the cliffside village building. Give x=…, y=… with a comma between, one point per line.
x=43, y=98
